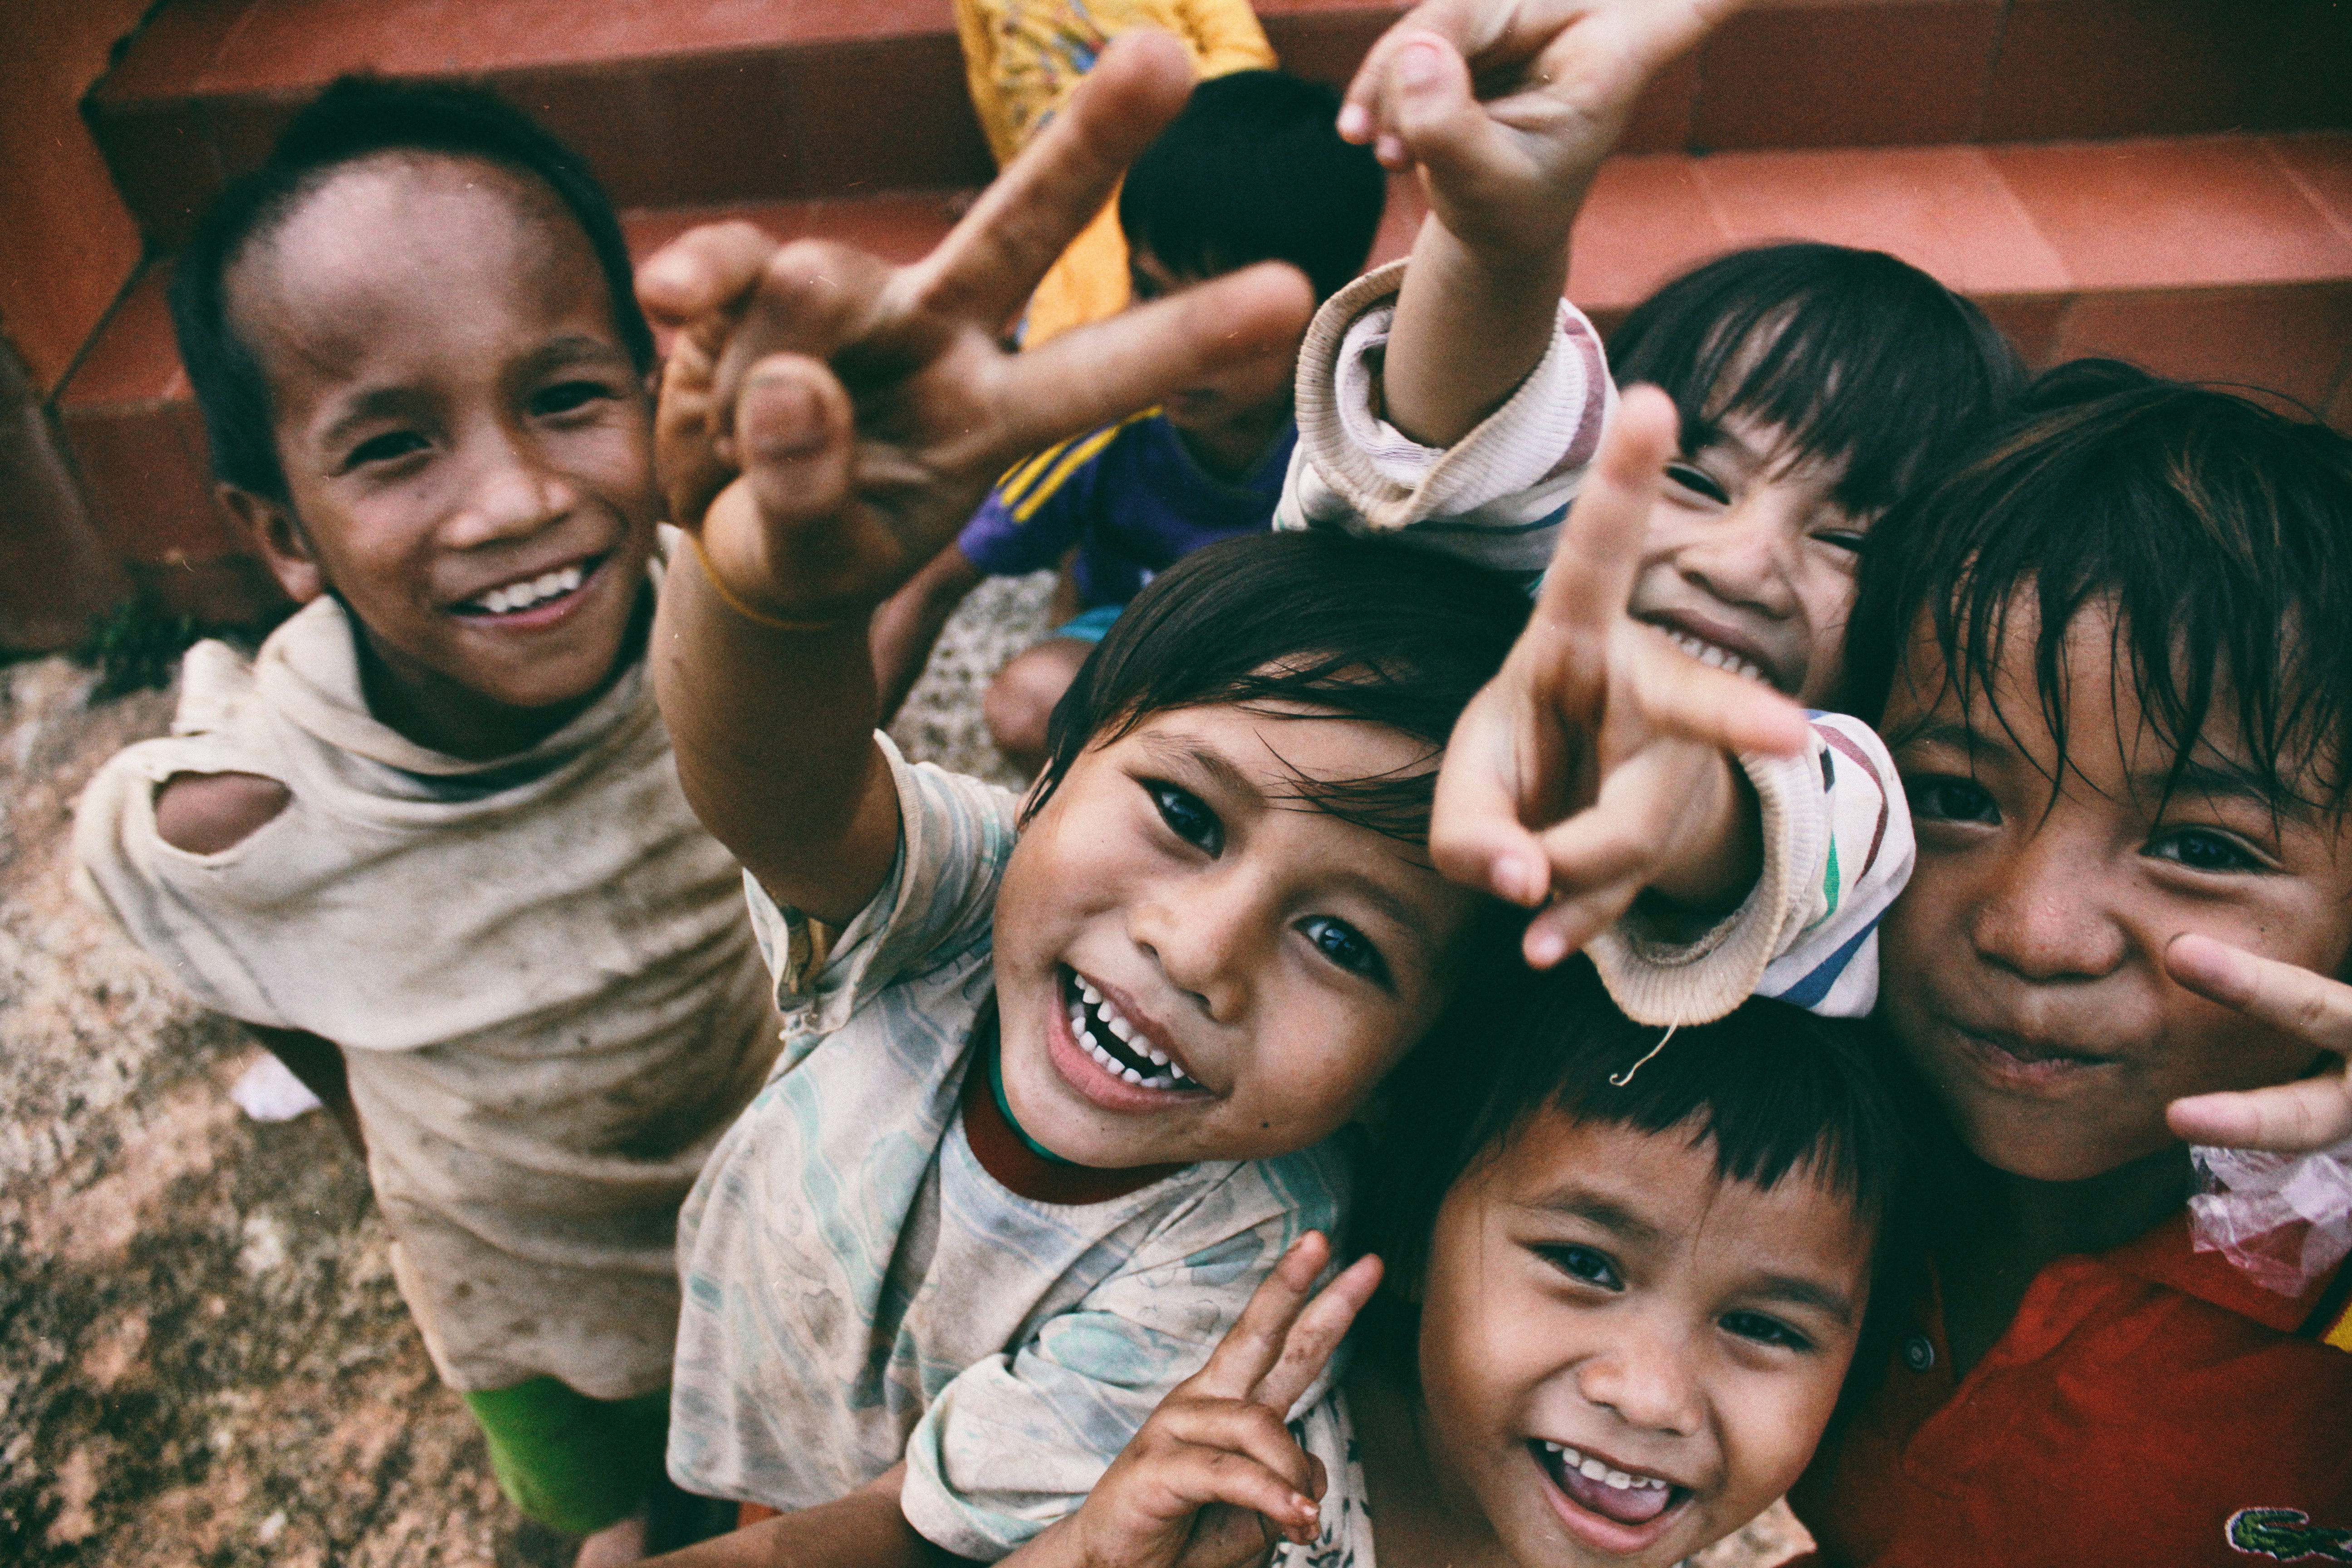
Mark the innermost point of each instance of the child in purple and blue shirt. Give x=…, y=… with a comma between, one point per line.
x=1251, y=171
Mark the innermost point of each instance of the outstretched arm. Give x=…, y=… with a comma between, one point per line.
x=1505, y=109
x=1598, y=766
x=828, y=422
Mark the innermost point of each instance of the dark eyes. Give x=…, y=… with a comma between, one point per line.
x=1583, y=1265
x=1763, y=1331
x=1346, y=946
x=1944, y=798
x=2201, y=850
x=383, y=449
x=1698, y=481
x=1187, y=817
x=565, y=397
x=1846, y=538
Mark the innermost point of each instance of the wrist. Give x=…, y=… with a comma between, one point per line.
x=758, y=610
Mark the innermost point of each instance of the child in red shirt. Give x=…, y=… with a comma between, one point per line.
x=2109, y=660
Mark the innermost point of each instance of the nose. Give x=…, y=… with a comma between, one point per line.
x=2040, y=914
x=1747, y=556
x=1645, y=1375
x=511, y=492
x=1208, y=929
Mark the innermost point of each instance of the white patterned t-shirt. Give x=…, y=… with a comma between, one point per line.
x=859, y=1289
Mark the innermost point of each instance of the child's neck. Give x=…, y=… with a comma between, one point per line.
x=1231, y=449
x=1419, y=1520
x=2013, y=1227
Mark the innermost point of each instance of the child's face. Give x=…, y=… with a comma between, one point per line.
x=2024, y=963
x=1748, y=553
x=467, y=444
x=1174, y=897
x=1255, y=393
x=1598, y=1297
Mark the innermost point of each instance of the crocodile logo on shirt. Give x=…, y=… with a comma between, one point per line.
x=2287, y=1535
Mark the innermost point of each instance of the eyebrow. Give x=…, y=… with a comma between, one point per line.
x=376, y=403
x=1219, y=768
x=1580, y=1202
x=2216, y=781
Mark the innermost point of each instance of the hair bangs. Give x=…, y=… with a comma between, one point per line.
x=2218, y=534
x=1851, y=356
x=1302, y=626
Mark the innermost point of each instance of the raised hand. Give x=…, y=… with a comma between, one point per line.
x=2297, y=1118
x=1597, y=766
x=827, y=421
x=1215, y=1479
x=1506, y=108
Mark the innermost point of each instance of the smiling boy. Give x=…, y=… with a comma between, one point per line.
x=2119, y=704
x=430, y=842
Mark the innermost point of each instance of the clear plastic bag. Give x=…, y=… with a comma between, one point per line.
x=2285, y=1219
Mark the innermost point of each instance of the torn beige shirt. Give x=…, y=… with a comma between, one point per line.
x=540, y=969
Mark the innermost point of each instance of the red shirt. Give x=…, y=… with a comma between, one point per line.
x=2148, y=1405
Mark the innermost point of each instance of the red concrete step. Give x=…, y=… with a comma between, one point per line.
x=2225, y=259
x=699, y=101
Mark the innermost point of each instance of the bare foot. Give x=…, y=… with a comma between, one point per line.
x=613, y=1544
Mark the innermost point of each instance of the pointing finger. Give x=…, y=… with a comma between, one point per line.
x=1593, y=566
x=993, y=258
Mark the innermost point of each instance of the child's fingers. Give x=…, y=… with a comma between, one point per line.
x=1432, y=108
x=1570, y=924
x=1464, y=26
x=1593, y=564
x=1492, y=763
x=811, y=297
x=1253, y=1343
x=1112, y=368
x=1679, y=696
x=1244, y=1429
x=1307, y=1348
x=2286, y=996
x=704, y=273
x=1205, y=1477
x=988, y=266
x=2287, y=1118
x=2292, y=1118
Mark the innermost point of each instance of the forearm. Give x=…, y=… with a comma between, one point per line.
x=1470, y=326
x=864, y=1530
x=1722, y=859
x=910, y=621
x=773, y=734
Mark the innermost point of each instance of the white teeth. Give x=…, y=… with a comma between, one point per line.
x=1619, y=1479
x=522, y=595
x=1158, y=1058
x=1713, y=658
x=1594, y=1470
x=1119, y=1026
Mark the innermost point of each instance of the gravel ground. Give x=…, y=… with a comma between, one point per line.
x=203, y=1359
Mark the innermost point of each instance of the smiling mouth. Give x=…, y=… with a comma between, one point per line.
x=1116, y=1044
x=1622, y=1497
x=1714, y=656
x=532, y=593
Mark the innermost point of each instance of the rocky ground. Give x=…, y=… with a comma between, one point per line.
x=203, y=1360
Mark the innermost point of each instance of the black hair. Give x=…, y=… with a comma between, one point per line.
x=1858, y=357
x=2220, y=531
x=1254, y=170
x=1771, y=1091
x=1373, y=629
x=357, y=118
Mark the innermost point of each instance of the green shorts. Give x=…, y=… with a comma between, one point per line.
x=574, y=1463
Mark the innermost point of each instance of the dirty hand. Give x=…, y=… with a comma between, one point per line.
x=1506, y=108
x=828, y=421
x=1597, y=764
x=2297, y=1118
x=1215, y=1479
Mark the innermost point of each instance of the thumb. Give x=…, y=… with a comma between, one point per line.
x=1433, y=110
x=791, y=438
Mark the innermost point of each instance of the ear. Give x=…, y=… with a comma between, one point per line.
x=276, y=537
